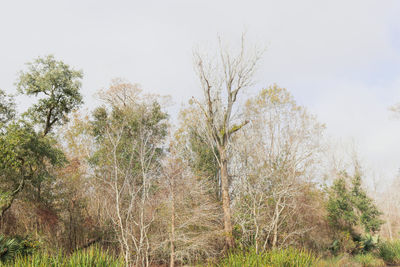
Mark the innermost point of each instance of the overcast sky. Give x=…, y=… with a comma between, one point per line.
x=340, y=59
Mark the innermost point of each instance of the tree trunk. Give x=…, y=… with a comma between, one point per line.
x=172, y=256
x=275, y=238
x=9, y=202
x=226, y=200
x=38, y=203
x=276, y=222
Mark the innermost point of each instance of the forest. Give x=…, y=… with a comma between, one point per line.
x=235, y=180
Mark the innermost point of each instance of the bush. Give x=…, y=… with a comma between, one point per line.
x=280, y=258
x=13, y=247
x=390, y=251
x=369, y=242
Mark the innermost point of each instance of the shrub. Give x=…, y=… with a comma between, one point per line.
x=12, y=247
x=369, y=242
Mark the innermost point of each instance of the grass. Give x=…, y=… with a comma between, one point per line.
x=368, y=260
x=91, y=257
x=337, y=261
x=389, y=251
x=359, y=260
x=280, y=258
x=295, y=258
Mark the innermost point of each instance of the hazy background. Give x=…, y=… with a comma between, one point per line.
x=341, y=59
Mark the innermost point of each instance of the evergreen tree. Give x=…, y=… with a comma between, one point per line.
x=353, y=215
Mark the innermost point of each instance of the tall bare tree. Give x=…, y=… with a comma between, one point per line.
x=222, y=79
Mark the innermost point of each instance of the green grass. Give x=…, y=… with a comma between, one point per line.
x=298, y=258
x=91, y=257
x=278, y=258
x=368, y=260
x=359, y=260
x=390, y=251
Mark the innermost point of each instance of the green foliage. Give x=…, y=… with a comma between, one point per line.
x=369, y=218
x=292, y=257
x=7, y=108
x=369, y=242
x=25, y=156
x=57, y=85
x=21, y=147
x=90, y=257
x=204, y=162
x=289, y=257
x=341, y=213
x=344, y=242
x=389, y=251
x=138, y=124
x=349, y=209
x=10, y=248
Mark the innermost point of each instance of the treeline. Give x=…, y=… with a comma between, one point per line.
x=235, y=173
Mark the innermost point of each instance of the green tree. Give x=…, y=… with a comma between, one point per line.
x=7, y=108
x=24, y=156
x=27, y=154
x=58, y=86
x=351, y=213
x=368, y=213
x=340, y=206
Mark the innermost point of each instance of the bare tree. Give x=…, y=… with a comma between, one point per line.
x=222, y=80
x=194, y=216
x=389, y=203
x=273, y=163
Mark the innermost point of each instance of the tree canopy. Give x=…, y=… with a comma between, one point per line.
x=57, y=85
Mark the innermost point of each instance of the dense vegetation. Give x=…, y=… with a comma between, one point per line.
x=235, y=182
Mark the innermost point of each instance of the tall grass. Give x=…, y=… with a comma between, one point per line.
x=338, y=261
x=278, y=258
x=390, y=251
x=369, y=260
x=245, y=259
x=90, y=257
x=359, y=260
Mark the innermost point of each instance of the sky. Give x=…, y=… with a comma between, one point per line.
x=340, y=59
